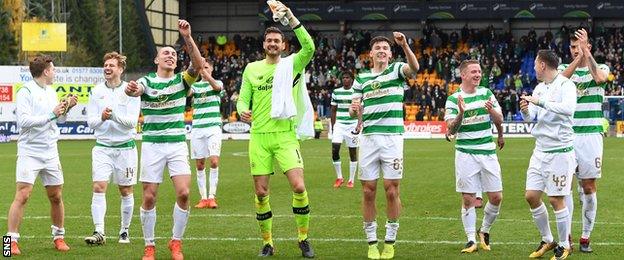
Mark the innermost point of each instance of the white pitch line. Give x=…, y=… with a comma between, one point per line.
x=354, y=240
x=313, y=215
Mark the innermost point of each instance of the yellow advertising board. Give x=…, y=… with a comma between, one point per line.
x=619, y=128
x=62, y=90
x=44, y=37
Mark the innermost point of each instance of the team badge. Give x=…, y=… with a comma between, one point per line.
x=375, y=85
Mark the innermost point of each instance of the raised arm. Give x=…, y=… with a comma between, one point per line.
x=206, y=74
x=184, y=28
x=599, y=74
x=304, y=56
x=569, y=70
x=412, y=69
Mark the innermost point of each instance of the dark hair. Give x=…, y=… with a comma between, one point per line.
x=273, y=29
x=40, y=63
x=464, y=64
x=121, y=59
x=347, y=73
x=549, y=57
x=377, y=39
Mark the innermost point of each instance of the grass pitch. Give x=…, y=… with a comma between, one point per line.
x=430, y=224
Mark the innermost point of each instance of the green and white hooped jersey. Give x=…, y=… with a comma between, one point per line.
x=162, y=105
x=475, y=133
x=341, y=98
x=589, y=97
x=382, y=100
x=206, y=107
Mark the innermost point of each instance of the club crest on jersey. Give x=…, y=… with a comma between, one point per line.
x=471, y=113
x=375, y=85
x=163, y=97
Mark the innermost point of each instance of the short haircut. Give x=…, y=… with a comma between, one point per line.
x=377, y=39
x=464, y=64
x=121, y=59
x=347, y=73
x=549, y=57
x=40, y=63
x=273, y=29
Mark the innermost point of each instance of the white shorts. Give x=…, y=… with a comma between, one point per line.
x=343, y=132
x=118, y=163
x=381, y=152
x=588, y=149
x=477, y=172
x=29, y=167
x=551, y=172
x=156, y=156
x=206, y=146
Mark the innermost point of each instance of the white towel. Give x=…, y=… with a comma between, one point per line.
x=285, y=106
x=282, y=102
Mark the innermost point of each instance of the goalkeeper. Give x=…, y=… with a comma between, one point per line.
x=276, y=138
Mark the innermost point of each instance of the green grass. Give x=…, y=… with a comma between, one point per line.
x=430, y=224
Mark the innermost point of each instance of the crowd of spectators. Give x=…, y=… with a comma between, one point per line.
x=506, y=61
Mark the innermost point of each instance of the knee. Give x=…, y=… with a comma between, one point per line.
x=99, y=188
x=496, y=199
x=468, y=200
x=369, y=193
x=214, y=163
x=56, y=198
x=183, y=194
x=200, y=164
x=335, y=152
x=149, y=200
x=589, y=188
x=299, y=187
x=262, y=193
x=22, y=196
x=392, y=193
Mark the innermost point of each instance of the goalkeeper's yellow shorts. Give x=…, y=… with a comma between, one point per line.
x=265, y=148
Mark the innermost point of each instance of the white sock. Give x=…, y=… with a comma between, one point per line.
x=392, y=228
x=201, y=183
x=148, y=221
x=490, y=213
x=590, y=205
x=14, y=236
x=352, y=169
x=563, y=217
x=214, y=180
x=180, y=218
x=370, y=228
x=98, y=210
x=338, y=168
x=581, y=193
x=57, y=232
x=479, y=194
x=569, y=202
x=540, y=216
x=469, y=219
x=127, y=208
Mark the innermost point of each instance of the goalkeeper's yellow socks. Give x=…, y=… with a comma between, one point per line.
x=301, y=209
x=265, y=218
